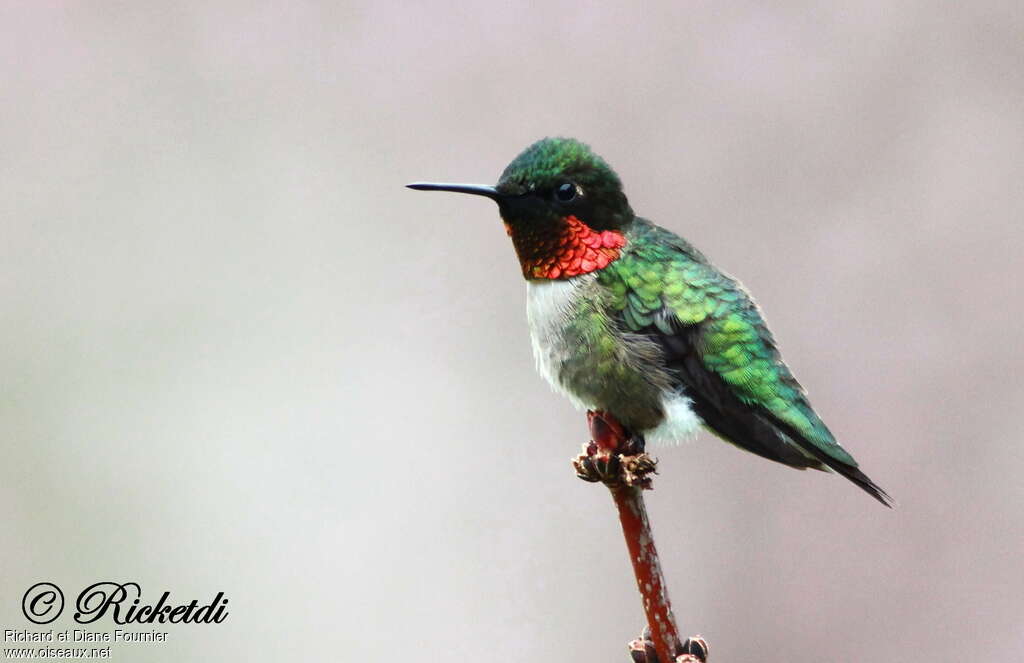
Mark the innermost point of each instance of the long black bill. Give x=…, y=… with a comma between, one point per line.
x=475, y=189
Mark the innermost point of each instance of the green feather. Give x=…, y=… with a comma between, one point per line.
x=659, y=270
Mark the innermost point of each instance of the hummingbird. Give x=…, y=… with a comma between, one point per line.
x=628, y=318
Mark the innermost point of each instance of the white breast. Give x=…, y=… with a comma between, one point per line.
x=549, y=305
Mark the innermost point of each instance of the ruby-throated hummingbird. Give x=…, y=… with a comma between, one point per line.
x=630, y=319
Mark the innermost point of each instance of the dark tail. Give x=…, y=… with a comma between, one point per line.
x=849, y=471
x=862, y=480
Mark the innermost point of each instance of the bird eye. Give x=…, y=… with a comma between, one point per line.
x=566, y=192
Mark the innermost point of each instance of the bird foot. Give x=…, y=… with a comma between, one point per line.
x=613, y=456
x=692, y=650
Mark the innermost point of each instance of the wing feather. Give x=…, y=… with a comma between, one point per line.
x=721, y=353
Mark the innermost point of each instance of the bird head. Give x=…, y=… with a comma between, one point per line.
x=562, y=205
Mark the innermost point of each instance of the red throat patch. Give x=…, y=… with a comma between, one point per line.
x=577, y=249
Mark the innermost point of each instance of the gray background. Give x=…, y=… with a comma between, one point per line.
x=238, y=356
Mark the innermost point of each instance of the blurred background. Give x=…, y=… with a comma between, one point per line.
x=239, y=356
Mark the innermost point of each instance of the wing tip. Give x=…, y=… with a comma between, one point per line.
x=876, y=491
x=865, y=483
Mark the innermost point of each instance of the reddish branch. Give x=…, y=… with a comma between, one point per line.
x=617, y=460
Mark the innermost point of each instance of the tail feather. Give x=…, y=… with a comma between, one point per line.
x=863, y=481
x=851, y=472
x=848, y=470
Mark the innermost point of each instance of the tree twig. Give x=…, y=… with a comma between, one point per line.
x=618, y=460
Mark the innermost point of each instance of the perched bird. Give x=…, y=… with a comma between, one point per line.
x=630, y=319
